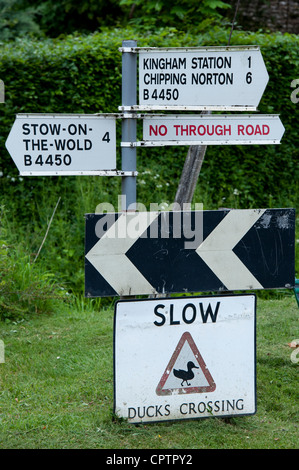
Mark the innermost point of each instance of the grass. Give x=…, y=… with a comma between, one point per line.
x=56, y=388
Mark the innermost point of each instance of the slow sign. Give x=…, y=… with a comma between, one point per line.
x=182, y=358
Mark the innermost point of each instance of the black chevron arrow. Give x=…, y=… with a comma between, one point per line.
x=146, y=253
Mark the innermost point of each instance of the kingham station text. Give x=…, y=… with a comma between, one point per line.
x=205, y=71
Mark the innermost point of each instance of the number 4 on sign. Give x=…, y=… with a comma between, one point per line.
x=106, y=137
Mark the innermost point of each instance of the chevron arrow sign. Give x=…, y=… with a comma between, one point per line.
x=189, y=251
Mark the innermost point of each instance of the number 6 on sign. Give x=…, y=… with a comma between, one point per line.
x=249, y=78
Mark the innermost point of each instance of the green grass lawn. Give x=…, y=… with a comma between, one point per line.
x=56, y=388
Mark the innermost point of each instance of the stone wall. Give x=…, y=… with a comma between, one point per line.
x=273, y=15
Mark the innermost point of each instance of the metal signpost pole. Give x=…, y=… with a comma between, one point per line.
x=129, y=96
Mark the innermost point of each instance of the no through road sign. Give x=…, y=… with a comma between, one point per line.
x=211, y=129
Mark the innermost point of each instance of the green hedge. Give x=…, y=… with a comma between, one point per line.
x=82, y=74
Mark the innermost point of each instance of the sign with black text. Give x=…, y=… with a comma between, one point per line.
x=48, y=144
x=184, y=358
x=202, y=78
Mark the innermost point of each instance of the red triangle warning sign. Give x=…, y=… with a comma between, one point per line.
x=186, y=371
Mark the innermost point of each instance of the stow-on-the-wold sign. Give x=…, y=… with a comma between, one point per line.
x=202, y=78
x=188, y=251
x=71, y=144
x=200, y=364
x=211, y=129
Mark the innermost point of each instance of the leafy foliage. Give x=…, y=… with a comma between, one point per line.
x=180, y=13
x=52, y=19
x=67, y=16
x=14, y=22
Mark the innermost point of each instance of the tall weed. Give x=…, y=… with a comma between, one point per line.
x=25, y=288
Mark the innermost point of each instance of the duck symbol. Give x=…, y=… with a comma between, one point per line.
x=185, y=375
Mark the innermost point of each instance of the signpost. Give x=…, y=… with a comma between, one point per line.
x=211, y=130
x=70, y=144
x=215, y=78
x=201, y=362
x=167, y=252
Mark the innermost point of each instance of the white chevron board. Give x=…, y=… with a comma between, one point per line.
x=196, y=251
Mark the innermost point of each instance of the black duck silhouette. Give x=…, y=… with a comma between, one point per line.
x=185, y=375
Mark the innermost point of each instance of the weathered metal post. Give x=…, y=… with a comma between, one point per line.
x=129, y=125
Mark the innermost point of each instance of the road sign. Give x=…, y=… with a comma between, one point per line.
x=197, y=251
x=185, y=359
x=201, y=78
x=200, y=364
x=71, y=144
x=211, y=129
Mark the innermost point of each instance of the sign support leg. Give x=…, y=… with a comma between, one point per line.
x=129, y=125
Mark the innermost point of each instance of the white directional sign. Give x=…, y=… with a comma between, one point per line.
x=182, y=358
x=211, y=129
x=201, y=78
x=62, y=144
